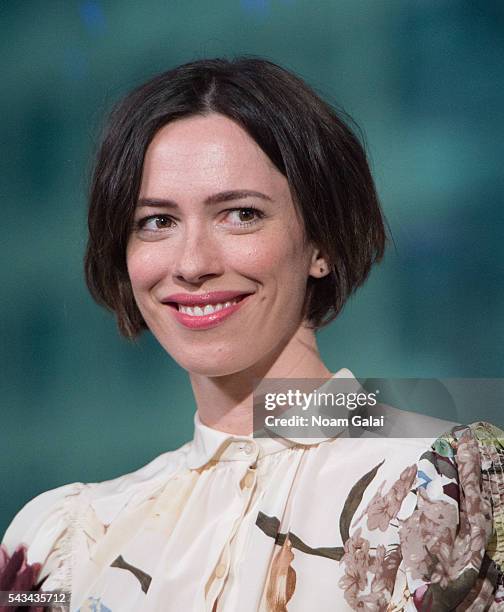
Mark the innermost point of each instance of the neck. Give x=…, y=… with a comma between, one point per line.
x=225, y=402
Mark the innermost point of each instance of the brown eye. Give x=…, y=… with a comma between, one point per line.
x=247, y=214
x=162, y=222
x=244, y=216
x=155, y=222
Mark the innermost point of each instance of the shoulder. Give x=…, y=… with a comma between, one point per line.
x=484, y=433
x=404, y=424
x=451, y=535
x=36, y=542
x=110, y=497
x=50, y=508
x=42, y=531
x=434, y=505
x=40, y=521
x=467, y=454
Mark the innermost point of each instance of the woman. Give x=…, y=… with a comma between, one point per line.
x=232, y=213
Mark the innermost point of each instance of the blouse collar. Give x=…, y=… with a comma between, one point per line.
x=211, y=444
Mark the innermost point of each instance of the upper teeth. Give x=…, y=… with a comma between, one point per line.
x=200, y=311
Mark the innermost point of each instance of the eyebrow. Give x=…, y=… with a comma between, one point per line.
x=217, y=198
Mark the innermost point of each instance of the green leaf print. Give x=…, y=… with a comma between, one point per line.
x=353, y=500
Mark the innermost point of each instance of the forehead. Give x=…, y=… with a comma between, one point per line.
x=207, y=151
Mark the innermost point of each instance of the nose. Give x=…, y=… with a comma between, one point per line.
x=198, y=256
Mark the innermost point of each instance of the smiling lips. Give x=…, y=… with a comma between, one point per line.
x=205, y=310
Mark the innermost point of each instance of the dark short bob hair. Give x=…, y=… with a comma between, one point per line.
x=304, y=137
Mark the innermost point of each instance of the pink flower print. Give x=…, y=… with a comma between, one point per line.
x=357, y=563
x=384, y=508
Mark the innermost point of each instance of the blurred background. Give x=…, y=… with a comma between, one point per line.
x=425, y=82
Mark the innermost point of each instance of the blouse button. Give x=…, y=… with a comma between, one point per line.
x=220, y=570
x=249, y=479
x=248, y=449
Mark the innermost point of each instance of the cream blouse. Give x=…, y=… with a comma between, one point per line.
x=229, y=523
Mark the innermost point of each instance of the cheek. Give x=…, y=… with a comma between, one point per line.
x=256, y=258
x=274, y=260
x=144, y=268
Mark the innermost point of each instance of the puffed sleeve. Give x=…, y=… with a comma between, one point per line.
x=38, y=543
x=452, y=538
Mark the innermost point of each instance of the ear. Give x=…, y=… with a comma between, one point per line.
x=319, y=266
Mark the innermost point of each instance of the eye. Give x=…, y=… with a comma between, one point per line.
x=243, y=217
x=154, y=223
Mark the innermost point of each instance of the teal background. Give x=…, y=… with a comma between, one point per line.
x=425, y=82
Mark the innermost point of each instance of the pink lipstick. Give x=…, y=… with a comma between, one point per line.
x=206, y=310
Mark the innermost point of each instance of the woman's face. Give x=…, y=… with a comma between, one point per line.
x=217, y=258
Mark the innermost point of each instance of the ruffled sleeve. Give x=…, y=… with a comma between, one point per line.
x=42, y=533
x=452, y=537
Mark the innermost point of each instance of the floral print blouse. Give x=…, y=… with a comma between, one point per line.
x=229, y=523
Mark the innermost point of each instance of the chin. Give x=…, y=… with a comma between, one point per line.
x=212, y=368
x=213, y=372
x=221, y=361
